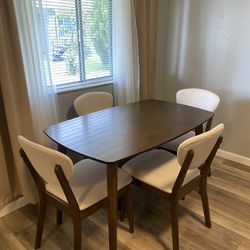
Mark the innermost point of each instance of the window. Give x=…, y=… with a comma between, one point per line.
x=79, y=42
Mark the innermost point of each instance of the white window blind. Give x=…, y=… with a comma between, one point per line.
x=79, y=39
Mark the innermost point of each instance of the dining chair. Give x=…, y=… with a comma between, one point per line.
x=76, y=190
x=172, y=177
x=198, y=98
x=85, y=104
x=92, y=101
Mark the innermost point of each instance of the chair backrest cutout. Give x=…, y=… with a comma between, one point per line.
x=44, y=160
x=198, y=98
x=92, y=101
x=201, y=145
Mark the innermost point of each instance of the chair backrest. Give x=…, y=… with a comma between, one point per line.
x=44, y=160
x=201, y=145
x=92, y=101
x=198, y=98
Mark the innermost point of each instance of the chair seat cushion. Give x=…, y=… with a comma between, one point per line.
x=89, y=183
x=174, y=144
x=158, y=168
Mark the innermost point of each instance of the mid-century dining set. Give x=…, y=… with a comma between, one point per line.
x=163, y=147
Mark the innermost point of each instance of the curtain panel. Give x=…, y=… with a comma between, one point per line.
x=125, y=53
x=15, y=109
x=41, y=90
x=9, y=184
x=146, y=21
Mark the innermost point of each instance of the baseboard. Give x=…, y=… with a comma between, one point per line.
x=14, y=205
x=233, y=157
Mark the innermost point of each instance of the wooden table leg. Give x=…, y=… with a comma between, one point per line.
x=199, y=129
x=112, y=204
x=209, y=124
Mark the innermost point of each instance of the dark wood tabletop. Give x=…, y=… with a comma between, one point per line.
x=120, y=132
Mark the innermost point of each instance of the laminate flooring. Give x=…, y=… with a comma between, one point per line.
x=229, y=199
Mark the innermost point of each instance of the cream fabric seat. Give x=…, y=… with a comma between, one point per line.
x=92, y=102
x=158, y=168
x=89, y=183
x=198, y=98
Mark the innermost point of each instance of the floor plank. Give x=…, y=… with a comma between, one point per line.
x=245, y=245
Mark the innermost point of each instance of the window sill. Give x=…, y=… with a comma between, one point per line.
x=78, y=86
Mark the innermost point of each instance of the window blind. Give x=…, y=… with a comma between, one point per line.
x=79, y=39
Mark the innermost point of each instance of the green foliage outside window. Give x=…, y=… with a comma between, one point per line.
x=100, y=30
x=97, y=28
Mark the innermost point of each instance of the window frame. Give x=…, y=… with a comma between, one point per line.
x=68, y=87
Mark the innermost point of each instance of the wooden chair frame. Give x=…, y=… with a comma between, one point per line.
x=180, y=191
x=71, y=208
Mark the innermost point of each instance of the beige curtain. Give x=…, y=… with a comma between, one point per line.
x=9, y=185
x=146, y=19
x=15, y=111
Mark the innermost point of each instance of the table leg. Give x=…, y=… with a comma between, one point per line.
x=199, y=129
x=112, y=204
x=209, y=124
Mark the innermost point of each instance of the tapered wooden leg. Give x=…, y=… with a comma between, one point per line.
x=174, y=224
x=199, y=130
x=77, y=233
x=40, y=224
x=59, y=217
x=122, y=203
x=205, y=204
x=129, y=208
x=209, y=171
x=112, y=204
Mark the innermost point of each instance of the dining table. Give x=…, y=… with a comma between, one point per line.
x=113, y=135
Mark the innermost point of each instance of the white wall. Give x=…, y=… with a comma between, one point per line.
x=206, y=44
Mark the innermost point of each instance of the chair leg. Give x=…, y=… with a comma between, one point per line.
x=129, y=208
x=122, y=203
x=174, y=224
x=205, y=204
x=209, y=171
x=77, y=227
x=40, y=223
x=58, y=217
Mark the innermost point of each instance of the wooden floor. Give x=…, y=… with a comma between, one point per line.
x=229, y=197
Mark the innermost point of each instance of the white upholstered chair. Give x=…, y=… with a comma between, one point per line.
x=92, y=101
x=76, y=190
x=199, y=98
x=171, y=177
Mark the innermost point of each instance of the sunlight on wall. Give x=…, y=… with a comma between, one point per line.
x=179, y=37
x=206, y=44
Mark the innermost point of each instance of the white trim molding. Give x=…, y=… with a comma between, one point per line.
x=233, y=157
x=14, y=205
